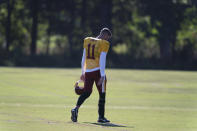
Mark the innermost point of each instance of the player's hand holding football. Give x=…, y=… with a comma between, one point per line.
x=101, y=80
x=82, y=77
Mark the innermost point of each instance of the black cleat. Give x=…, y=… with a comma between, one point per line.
x=103, y=120
x=74, y=114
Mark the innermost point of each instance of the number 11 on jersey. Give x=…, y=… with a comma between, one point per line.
x=91, y=56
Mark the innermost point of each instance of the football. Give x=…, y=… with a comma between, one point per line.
x=79, y=89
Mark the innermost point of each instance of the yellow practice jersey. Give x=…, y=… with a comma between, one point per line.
x=94, y=47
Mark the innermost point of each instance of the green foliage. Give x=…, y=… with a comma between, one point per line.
x=134, y=35
x=188, y=29
x=187, y=35
x=139, y=37
x=138, y=30
x=121, y=49
x=20, y=33
x=144, y=41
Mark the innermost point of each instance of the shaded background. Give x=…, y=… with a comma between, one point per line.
x=150, y=34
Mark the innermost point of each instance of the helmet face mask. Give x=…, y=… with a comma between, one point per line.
x=79, y=89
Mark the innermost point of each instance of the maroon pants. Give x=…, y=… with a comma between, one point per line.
x=90, y=78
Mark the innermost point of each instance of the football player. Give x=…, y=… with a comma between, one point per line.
x=93, y=70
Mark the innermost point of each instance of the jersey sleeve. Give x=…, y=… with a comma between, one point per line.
x=84, y=42
x=105, y=46
x=83, y=61
x=102, y=62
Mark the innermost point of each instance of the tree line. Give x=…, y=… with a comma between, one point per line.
x=146, y=34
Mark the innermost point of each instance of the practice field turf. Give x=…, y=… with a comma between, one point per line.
x=40, y=99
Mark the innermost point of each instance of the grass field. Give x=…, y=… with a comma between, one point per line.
x=40, y=99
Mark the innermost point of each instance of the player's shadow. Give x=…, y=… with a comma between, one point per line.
x=108, y=124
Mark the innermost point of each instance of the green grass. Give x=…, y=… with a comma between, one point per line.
x=40, y=99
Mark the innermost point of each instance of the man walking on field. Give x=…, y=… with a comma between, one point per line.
x=93, y=70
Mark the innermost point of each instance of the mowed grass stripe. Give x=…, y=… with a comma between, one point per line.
x=95, y=107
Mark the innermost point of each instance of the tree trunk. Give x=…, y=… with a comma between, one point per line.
x=8, y=24
x=194, y=2
x=72, y=26
x=167, y=29
x=165, y=13
x=34, y=26
x=48, y=37
x=106, y=13
x=84, y=14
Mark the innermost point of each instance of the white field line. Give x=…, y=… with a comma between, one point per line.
x=166, y=108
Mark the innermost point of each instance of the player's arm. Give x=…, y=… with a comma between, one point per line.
x=102, y=63
x=83, y=64
x=104, y=49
